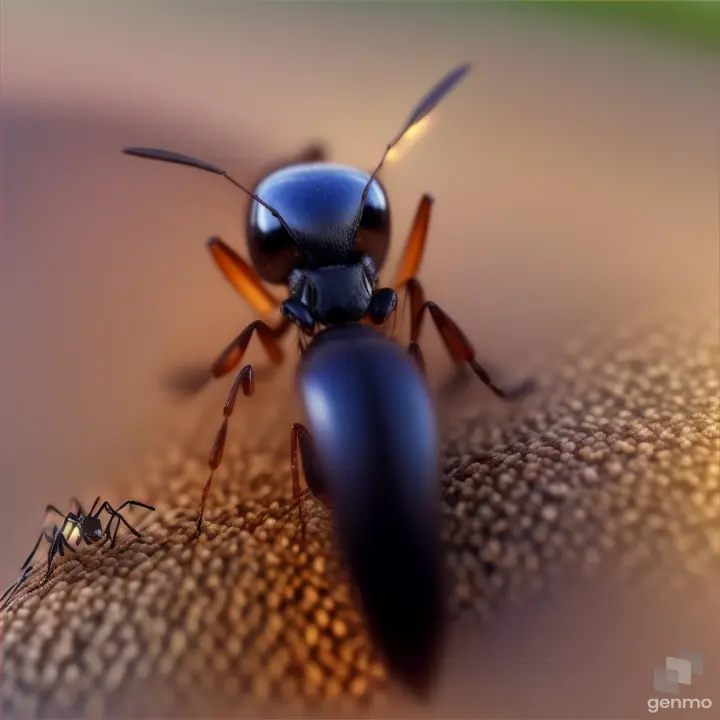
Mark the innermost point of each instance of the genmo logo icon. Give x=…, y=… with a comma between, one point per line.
x=678, y=671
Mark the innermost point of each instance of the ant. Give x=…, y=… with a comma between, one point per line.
x=88, y=525
x=8, y=595
x=371, y=454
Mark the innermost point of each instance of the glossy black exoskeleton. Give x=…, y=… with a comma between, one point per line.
x=371, y=450
x=315, y=197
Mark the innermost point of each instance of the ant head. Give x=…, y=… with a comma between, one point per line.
x=92, y=529
x=330, y=237
x=340, y=289
x=319, y=202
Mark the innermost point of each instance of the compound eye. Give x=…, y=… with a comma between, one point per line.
x=373, y=235
x=272, y=251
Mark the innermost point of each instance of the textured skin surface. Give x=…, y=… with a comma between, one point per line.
x=614, y=467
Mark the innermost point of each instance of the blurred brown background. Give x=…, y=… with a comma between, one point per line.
x=575, y=175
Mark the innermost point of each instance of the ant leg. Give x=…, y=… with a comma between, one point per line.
x=267, y=372
x=232, y=355
x=241, y=275
x=414, y=249
x=189, y=379
x=61, y=546
x=243, y=278
x=43, y=534
x=384, y=301
x=454, y=340
x=52, y=508
x=116, y=515
x=107, y=534
x=10, y=592
x=245, y=380
x=301, y=443
x=133, y=503
x=94, y=505
x=78, y=505
x=52, y=552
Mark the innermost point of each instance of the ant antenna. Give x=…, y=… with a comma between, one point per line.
x=422, y=109
x=178, y=159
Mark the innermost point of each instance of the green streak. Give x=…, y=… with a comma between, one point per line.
x=696, y=24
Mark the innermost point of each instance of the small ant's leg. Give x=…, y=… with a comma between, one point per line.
x=57, y=541
x=43, y=534
x=10, y=592
x=243, y=278
x=113, y=535
x=245, y=380
x=412, y=255
x=107, y=535
x=52, y=508
x=232, y=355
x=79, y=506
x=94, y=505
x=115, y=515
x=121, y=519
x=54, y=549
x=132, y=503
x=454, y=340
x=135, y=503
x=62, y=543
x=301, y=443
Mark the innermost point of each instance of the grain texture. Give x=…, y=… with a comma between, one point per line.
x=613, y=468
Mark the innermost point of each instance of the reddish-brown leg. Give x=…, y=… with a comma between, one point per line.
x=228, y=361
x=189, y=380
x=414, y=249
x=301, y=445
x=297, y=430
x=245, y=380
x=232, y=355
x=454, y=340
x=243, y=278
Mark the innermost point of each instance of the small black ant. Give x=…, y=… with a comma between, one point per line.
x=372, y=454
x=89, y=528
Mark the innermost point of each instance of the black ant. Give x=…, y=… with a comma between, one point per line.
x=322, y=230
x=88, y=525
